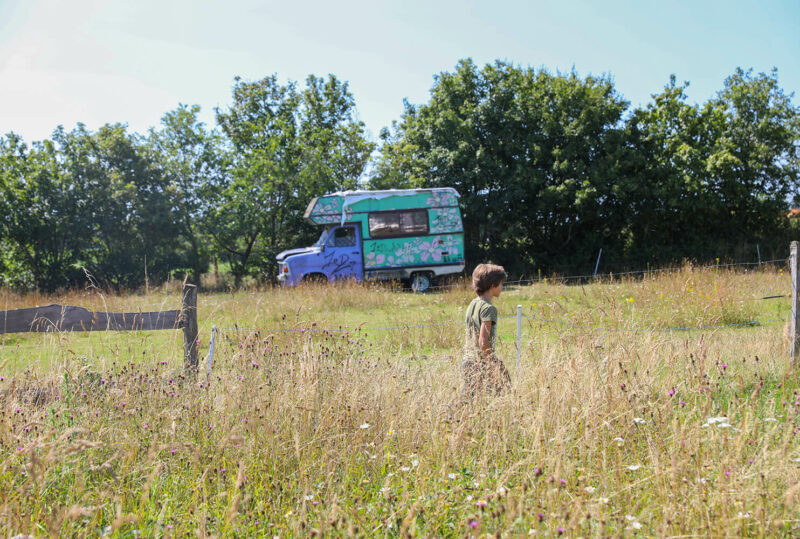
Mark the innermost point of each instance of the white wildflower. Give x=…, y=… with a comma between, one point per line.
x=634, y=467
x=639, y=420
x=603, y=500
x=415, y=463
x=630, y=518
x=769, y=420
x=636, y=525
x=405, y=469
x=451, y=476
x=309, y=497
x=364, y=425
x=590, y=489
x=619, y=440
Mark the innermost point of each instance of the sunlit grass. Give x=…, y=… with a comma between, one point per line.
x=621, y=420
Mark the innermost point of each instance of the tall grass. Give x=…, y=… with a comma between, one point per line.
x=615, y=426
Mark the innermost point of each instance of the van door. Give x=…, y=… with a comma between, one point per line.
x=342, y=255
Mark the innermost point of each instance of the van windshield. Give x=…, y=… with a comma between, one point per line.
x=322, y=238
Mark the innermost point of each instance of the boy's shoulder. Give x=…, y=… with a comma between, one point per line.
x=485, y=308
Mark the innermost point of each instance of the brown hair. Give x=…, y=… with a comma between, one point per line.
x=486, y=276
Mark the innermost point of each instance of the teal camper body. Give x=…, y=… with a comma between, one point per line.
x=410, y=234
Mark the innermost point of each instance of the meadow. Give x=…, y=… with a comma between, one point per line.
x=658, y=405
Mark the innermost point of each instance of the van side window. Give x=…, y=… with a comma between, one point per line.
x=343, y=237
x=398, y=223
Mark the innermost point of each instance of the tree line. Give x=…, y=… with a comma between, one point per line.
x=551, y=168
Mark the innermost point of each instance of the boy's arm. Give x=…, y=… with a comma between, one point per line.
x=483, y=338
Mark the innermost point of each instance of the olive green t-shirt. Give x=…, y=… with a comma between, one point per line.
x=478, y=312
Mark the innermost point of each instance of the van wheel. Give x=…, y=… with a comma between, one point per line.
x=420, y=282
x=315, y=278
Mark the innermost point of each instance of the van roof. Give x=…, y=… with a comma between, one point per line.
x=391, y=191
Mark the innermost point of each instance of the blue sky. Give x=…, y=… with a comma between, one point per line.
x=98, y=61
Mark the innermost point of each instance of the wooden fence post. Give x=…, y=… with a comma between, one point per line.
x=189, y=318
x=794, y=330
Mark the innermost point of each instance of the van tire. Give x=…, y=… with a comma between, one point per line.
x=315, y=278
x=421, y=281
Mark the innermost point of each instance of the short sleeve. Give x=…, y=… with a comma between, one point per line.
x=488, y=313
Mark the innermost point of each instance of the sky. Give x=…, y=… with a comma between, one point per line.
x=131, y=61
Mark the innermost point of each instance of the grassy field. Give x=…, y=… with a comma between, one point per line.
x=659, y=406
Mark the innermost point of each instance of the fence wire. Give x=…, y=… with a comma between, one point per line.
x=611, y=275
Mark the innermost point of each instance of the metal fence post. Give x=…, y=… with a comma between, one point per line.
x=519, y=336
x=793, y=326
x=597, y=264
x=211, y=350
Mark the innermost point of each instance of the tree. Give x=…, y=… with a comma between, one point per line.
x=288, y=146
x=127, y=201
x=193, y=162
x=753, y=161
x=44, y=218
x=528, y=152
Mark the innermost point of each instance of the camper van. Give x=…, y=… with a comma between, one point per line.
x=415, y=235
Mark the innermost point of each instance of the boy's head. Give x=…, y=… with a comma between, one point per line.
x=486, y=276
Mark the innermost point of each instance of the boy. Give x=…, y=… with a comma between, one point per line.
x=481, y=368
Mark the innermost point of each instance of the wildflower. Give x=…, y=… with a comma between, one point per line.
x=451, y=476
x=639, y=420
x=630, y=518
x=415, y=463
x=405, y=469
x=590, y=489
x=469, y=497
x=769, y=420
x=602, y=500
x=671, y=392
x=364, y=426
x=309, y=497
x=619, y=440
x=169, y=526
x=636, y=525
x=480, y=503
x=473, y=523
x=634, y=467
